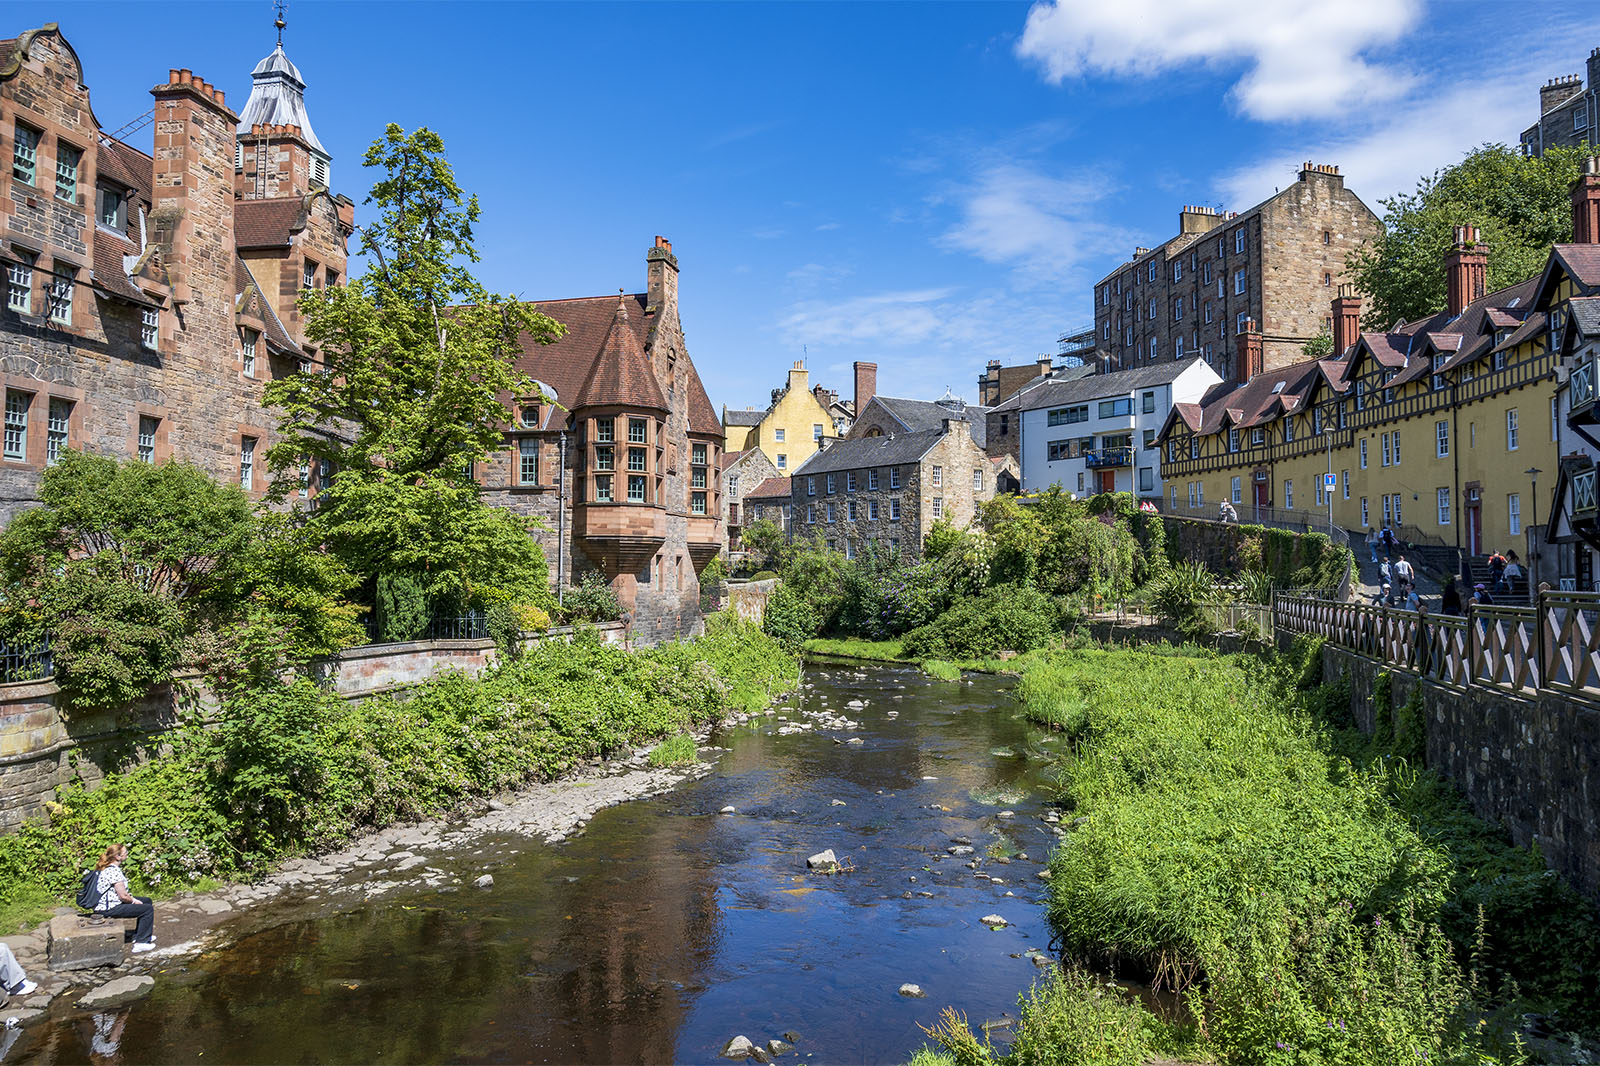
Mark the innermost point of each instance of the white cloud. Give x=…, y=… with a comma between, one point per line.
x=894, y=318
x=1305, y=58
x=1047, y=227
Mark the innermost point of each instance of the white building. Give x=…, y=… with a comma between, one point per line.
x=1098, y=433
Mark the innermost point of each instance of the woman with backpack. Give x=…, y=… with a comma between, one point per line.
x=112, y=899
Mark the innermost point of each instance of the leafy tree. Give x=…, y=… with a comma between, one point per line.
x=419, y=360
x=765, y=541
x=1318, y=347
x=1521, y=206
x=401, y=608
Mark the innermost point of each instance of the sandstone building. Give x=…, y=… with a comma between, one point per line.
x=741, y=472
x=788, y=428
x=150, y=295
x=1568, y=112
x=1276, y=264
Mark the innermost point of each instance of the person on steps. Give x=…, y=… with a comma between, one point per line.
x=12, y=978
x=116, y=902
x=1405, y=573
x=1372, y=542
x=1450, y=599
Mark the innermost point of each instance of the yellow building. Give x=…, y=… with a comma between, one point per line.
x=789, y=429
x=1430, y=427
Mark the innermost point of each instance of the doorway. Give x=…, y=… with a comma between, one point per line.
x=1108, y=480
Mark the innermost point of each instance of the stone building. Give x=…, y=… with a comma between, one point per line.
x=741, y=472
x=1002, y=382
x=884, y=491
x=1568, y=111
x=885, y=415
x=769, y=501
x=788, y=429
x=1277, y=264
x=622, y=468
x=150, y=294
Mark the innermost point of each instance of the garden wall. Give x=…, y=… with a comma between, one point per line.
x=42, y=748
x=1529, y=763
x=1219, y=545
x=748, y=599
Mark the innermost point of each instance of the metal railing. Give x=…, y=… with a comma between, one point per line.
x=469, y=625
x=26, y=662
x=1109, y=457
x=1553, y=645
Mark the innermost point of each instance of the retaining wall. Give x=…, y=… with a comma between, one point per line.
x=748, y=599
x=42, y=747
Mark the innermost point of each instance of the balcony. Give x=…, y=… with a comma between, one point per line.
x=624, y=537
x=1581, y=389
x=1109, y=457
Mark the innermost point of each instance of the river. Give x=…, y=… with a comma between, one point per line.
x=666, y=928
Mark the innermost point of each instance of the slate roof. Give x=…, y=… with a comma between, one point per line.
x=917, y=415
x=745, y=416
x=1071, y=373
x=1586, y=314
x=774, y=488
x=894, y=449
x=1057, y=392
x=246, y=286
x=267, y=223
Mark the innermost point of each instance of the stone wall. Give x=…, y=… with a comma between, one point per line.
x=43, y=747
x=1531, y=765
x=748, y=599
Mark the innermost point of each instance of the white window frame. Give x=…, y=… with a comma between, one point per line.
x=25, y=154
x=146, y=441
x=1443, y=516
x=1514, y=514
x=977, y=480
x=247, y=463
x=1238, y=489
x=67, y=175
x=59, y=298
x=247, y=348
x=527, y=461
x=1239, y=239
x=1441, y=431
x=1513, y=435
x=1240, y=282
x=936, y=478
x=16, y=425
x=19, y=284
x=58, y=430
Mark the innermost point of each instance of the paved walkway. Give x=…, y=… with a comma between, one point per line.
x=1365, y=584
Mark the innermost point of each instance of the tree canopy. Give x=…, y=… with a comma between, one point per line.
x=1521, y=206
x=419, y=363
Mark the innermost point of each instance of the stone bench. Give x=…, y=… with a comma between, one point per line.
x=82, y=942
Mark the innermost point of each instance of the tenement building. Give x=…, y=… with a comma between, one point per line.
x=622, y=468
x=741, y=472
x=150, y=294
x=1276, y=264
x=1568, y=111
x=788, y=429
x=1449, y=428
x=883, y=491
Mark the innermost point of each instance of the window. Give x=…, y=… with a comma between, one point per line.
x=1080, y=481
x=872, y=510
x=247, y=341
x=638, y=431
x=25, y=154
x=977, y=481
x=1554, y=420
x=1345, y=483
x=528, y=416
x=147, y=438
x=1063, y=416
x=19, y=284
x=1194, y=448
x=872, y=480
x=1511, y=430
x=1388, y=454
x=1177, y=308
x=247, y=462
x=304, y=478
x=1439, y=360
x=1365, y=521
x=1580, y=118
x=1174, y=497
x=1327, y=280
x=1152, y=270
x=830, y=484
x=816, y=431
x=733, y=486
x=1191, y=494
x=1362, y=448
x=605, y=430
x=527, y=461
x=811, y=514
x=1236, y=489
x=16, y=431
x=1148, y=403
x=1397, y=516
x=1441, y=432
x=1177, y=270
x=1288, y=494
x=1241, y=320
x=1150, y=312
x=811, y=486
x=1155, y=348
x=1288, y=429
x=61, y=298
x=112, y=210
x=894, y=477
x=1200, y=493
x=1388, y=511
x=1057, y=450
x=850, y=548
x=605, y=457
x=636, y=459
x=783, y=461
x=1116, y=408
x=309, y=281
x=332, y=277
x=938, y=477
x=1514, y=514
x=1238, y=240
x=1238, y=282
x=1147, y=479
x=1258, y=436
x=938, y=501
x=697, y=503
x=1233, y=440
x=636, y=487
x=58, y=420
x=697, y=455
x=894, y=508
x=830, y=512
x=850, y=481
x=67, y=160
x=777, y=435
x=1220, y=251
x=850, y=510
x=1444, y=507
x=602, y=488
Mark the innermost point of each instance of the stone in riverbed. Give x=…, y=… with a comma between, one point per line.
x=213, y=906
x=121, y=990
x=960, y=849
x=729, y=810
x=912, y=991
x=994, y=921
x=823, y=860
x=779, y=1047
x=1044, y=874
x=760, y=1054
x=486, y=881
x=738, y=1048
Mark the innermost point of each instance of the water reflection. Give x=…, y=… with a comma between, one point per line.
x=667, y=928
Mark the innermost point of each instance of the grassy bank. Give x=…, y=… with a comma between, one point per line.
x=292, y=768
x=1315, y=898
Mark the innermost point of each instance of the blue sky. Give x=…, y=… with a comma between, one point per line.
x=927, y=186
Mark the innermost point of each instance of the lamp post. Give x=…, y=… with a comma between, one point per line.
x=1533, y=473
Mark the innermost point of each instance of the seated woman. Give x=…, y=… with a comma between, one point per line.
x=13, y=982
x=116, y=902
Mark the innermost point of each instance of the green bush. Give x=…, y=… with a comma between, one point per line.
x=676, y=750
x=1181, y=596
x=113, y=640
x=592, y=599
x=1073, y=1019
x=763, y=575
x=1006, y=617
x=788, y=618
x=400, y=608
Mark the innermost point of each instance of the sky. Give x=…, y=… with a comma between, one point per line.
x=925, y=186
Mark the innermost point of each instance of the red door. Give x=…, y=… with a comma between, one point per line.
x=1108, y=481
x=1261, y=497
x=1474, y=530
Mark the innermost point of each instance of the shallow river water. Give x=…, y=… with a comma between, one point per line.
x=666, y=928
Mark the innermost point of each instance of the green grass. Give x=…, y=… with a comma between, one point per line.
x=940, y=670
x=879, y=651
x=674, y=751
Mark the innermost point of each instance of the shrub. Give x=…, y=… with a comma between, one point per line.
x=1006, y=617
x=400, y=608
x=788, y=618
x=1182, y=595
x=763, y=575
x=592, y=599
x=113, y=640
x=676, y=750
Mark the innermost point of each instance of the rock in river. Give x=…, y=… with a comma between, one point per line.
x=994, y=921
x=122, y=990
x=823, y=860
x=486, y=881
x=912, y=991
x=738, y=1048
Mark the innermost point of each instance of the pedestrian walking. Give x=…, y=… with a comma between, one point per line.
x=1405, y=573
x=1388, y=542
x=1373, y=541
x=1450, y=599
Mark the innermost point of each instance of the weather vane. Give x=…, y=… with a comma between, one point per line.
x=278, y=22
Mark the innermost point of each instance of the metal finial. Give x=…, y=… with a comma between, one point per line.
x=278, y=22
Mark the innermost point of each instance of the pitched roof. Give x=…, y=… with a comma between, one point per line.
x=702, y=416
x=621, y=372
x=1263, y=398
x=246, y=287
x=727, y=459
x=129, y=166
x=892, y=449
x=1071, y=373
x=1586, y=314
x=267, y=223
x=1054, y=393
x=774, y=488
x=745, y=416
x=109, y=274
x=917, y=415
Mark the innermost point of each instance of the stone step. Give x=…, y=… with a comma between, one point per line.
x=81, y=943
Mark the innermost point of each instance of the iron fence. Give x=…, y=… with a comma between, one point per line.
x=26, y=662
x=469, y=625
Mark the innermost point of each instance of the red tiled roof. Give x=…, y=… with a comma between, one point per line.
x=727, y=459
x=774, y=488
x=108, y=273
x=266, y=223
x=125, y=164
x=1581, y=260
x=620, y=373
x=702, y=416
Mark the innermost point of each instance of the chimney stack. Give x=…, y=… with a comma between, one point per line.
x=661, y=267
x=1346, y=319
x=1586, y=203
x=1248, y=364
x=1045, y=365
x=1466, y=268
x=866, y=385
x=192, y=215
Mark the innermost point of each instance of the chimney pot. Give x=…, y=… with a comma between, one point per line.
x=1346, y=319
x=1466, y=268
x=172, y=77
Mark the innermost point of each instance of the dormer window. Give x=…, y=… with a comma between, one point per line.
x=528, y=416
x=247, y=351
x=25, y=155
x=112, y=207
